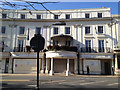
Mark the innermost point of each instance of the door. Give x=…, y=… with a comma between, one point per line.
x=107, y=68
x=6, y=65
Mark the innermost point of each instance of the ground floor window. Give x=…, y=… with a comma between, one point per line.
x=118, y=62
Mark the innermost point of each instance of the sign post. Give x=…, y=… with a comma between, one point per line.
x=37, y=44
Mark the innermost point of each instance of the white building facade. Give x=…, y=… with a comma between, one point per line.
x=91, y=33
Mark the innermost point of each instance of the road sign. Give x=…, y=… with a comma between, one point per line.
x=37, y=42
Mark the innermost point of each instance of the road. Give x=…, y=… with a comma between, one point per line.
x=28, y=81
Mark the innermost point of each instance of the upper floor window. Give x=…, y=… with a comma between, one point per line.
x=88, y=45
x=3, y=29
x=22, y=16
x=4, y=15
x=101, y=45
x=55, y=16
x=22, y=30
x=100, y=29
x=38, y=30
x=99, y=15
x=67, y=16
x=87, y=15
x=55, y=30
x=87, y=30
x=67, y=30
x=38, y=16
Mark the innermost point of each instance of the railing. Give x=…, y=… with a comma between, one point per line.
x=62, y=48
x=95, y=50
x=22, y=49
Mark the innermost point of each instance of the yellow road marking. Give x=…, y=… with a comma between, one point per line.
x=15, y=80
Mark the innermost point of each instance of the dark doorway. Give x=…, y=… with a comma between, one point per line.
x=107, y=68
x=7, y=65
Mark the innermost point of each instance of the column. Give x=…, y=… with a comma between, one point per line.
x=116, y=64
x=75, y=66
x=47, y=66
x=82, y=66
x=68, y=68
x=40, y=64
x=112, y=67
x=51, y=69
x=42, y=68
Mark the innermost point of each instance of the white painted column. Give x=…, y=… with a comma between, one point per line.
x=116, y=64
x=75, y=66
x=42, y=69
x=68, y=68
x=47, y=66
x=51, y=70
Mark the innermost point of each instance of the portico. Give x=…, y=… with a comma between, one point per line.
x=61, y=62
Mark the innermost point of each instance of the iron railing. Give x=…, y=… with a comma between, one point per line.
x=95, y=50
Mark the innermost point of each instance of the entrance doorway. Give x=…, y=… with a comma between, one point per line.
x=6, y=65
x=107, y=68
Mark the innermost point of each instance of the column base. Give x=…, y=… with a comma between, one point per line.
x=46, y=71
x=51, y=73
x=76, y=72
x=67, y=73
x=42, y=71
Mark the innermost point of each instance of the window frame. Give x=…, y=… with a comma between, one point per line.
x=36, y=32
x=54, y=30
x=66, y=16
x=22, y=16
x=86, y=15
x=99, y=30
x=55, y=16
x=101, y=45
x=37, y=16
x=3, y=32
x=87, y=29
x=66, y=32
x=100, y=16
x=21, y=28
x=4, y=15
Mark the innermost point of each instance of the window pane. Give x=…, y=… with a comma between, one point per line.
x=22, y=29
x=55, y=16
x=86, y=15
x=67, y=16
x=55, y=30
x=101, y=45
x=38, y=16
x=22, y=16
x=38, y=30
x=88, y=45
x=100, y=29
x=87, y=30
x=67, y=30
x=99, y=15
x=4, y=15
x=3, y=29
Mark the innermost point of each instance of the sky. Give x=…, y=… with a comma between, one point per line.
x=78, y=5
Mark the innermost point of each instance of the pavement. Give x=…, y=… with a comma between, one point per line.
x=87, y=82
x=35, y=74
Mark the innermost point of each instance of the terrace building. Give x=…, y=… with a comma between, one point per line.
x=74, y=39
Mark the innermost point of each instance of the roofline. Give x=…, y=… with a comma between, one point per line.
x=60, y=9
